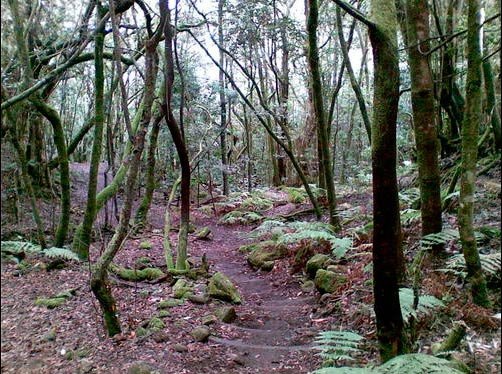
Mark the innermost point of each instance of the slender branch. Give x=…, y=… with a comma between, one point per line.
x=355, y=13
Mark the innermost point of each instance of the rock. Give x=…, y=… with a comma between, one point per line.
x=145, y=245
x=238, y=359
x=328, y=281
x=209, y=319
x=199, y=299
x=221, y=287
x=201, y=333
x=182, y=289
x=180, y=347
x=50, y=336
x=203, y=234
x=170, y=303
x=141, y=367
x=160, y=336
x=308, y=286
x=263, y=254
x=85, y=366
x=316, y=262
x=267, y=265
x=156, y=324
x=226, y=314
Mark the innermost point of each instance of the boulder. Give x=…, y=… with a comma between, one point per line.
x=328, y=281
x=141, y=367
x=209, y=319
x=308, y=286
x=182, y=289
x=316, y=262
x=226, y=314
x=199, y=299
x=201, y=333
x=262, y=257
x=178, y=347
x=221, y=287
x=170, y=303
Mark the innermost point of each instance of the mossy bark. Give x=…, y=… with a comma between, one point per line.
x=387, y=251
x=82, y=237
x=426, y=133
x=64, y=167
x=98, y=280
x=491, y=103
x=223, y=104
x=320, y=116
x=142, y=211
x=470, y=130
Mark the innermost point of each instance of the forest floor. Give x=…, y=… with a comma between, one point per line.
x=277, y=320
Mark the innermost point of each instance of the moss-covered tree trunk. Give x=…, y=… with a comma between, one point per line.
x=99, y=279
x=320, y=116
x=387, y=251
x=179, y=142
x=223, y=104
x=470, y=129
x=83, y=234
x=491, y=102
x=426, y=133
x=142, y=211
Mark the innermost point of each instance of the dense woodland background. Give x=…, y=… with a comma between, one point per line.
x=251, y=186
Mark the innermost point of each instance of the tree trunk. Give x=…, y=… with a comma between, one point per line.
x=223, y=105
x=470, y=129
x=179, y=142
x=491, y=103
x=320, y=117
x=387, y=251
x=83, y=234
x=426, y=134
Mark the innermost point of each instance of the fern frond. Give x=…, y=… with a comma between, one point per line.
x=63, y=253
x=417, y=363
x=336, y=345
x=344, y=370
x=19, y=247
x=490, y=263
x=269, y=226
x=409, y=216
x=426, y=303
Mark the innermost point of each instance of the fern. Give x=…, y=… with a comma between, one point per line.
x=445, y=236
x=490, y=263
x=417, y=363
x=337, y=345
x=426, y=303
x=269, y=226
x=257, y=202
x=409, y=216
x=238, y=216
x=17, y=247
x=20, y=247
x=413, y=363
x=409, y=196
x=62, y=253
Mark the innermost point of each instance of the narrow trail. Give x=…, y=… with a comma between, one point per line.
x=274, y=321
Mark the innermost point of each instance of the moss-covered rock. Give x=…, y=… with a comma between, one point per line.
x=226, y=314
x=201, y=333
x=209, y=319
x=203, y=234
x=328, y=281
x=155, y=324
x=170, y=303
x=141, y=367
x=263, y=254
x=145, y=245
x=182, y=289
x=136, y=275
x=221, y=287
x=316, y=262
x=308, y=286
x=163, y=313
x=55, y=301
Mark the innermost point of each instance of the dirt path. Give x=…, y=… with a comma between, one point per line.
x=274, y=327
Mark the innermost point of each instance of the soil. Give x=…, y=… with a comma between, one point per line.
x=276, y=323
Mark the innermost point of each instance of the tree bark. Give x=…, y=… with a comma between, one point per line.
x=320, y=117
x=387, y=251
x=470, y=129
x=426, y=134
x=223, y=104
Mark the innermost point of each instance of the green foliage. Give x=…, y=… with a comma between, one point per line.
x=19, y=247
x=238, y=216
x=63, y=253
x=426, y=303
x=414, y=363
x=445, y=236
x=490, y=263
x=269, y=226
x=337, y=345
x=409, y=216
x=145, y=245
x=257, y=202
x=55, y=301
x=298, y=195
x=409, y=196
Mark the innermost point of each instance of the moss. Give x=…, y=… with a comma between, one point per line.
x=221, y=287
x=145, y=245
x=55, y=301
x=182, y=289
x=328, y=281
x=163, y=313
x=170, y=303
x=265, y=253
x=137, y=275
x=316, y=262
x=141, y=331
x=156, y=324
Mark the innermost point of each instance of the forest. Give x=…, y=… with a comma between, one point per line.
x=261, y=186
